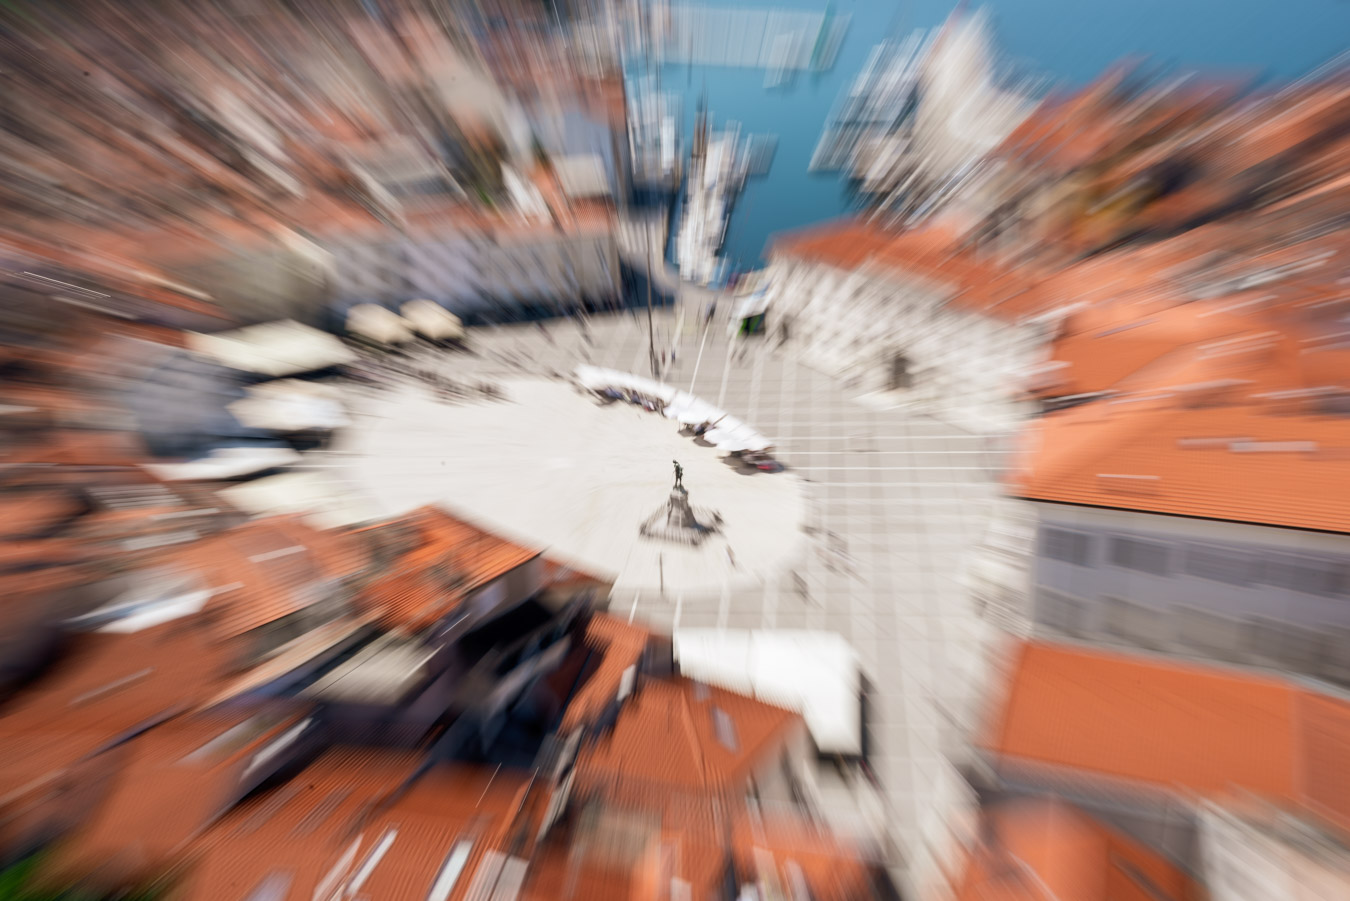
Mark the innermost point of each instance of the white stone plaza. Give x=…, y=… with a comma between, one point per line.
x=866, y=535
x=558, y=470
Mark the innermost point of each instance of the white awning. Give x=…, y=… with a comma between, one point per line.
x=753, y=305
x=375, y=323
x=431, y=320
x=596, y=378
x=225, y=463
x=814, y=673
x=274, y=348
x=730, y=434
x=290, y=405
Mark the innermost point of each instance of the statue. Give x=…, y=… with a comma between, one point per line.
x=677, y=521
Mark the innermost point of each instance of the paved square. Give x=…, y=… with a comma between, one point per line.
x=894, y=500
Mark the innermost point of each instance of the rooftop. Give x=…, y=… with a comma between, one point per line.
x=1197, y=730
x=1181, y=431
x=680, y=736
x=434, y=563
x=1043, y=850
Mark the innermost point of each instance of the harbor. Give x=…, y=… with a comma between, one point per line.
x=719, y=165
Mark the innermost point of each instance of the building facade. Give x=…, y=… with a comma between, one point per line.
x=1230, y=591
x=904, y=335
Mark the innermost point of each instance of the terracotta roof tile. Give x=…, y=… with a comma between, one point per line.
x=444, y=560
x=1199, y=730
x=299, y=829
x=1323, y=737
x=1195, y=728
x=676, y=736
x=265, y=570
x=618, y=646
x=167, y=791
x=1104, y=344
x=346, y=812
x=36, y=513
x=1161, y=447
x=1042, y=850
x=113, y=682
x=933, y=252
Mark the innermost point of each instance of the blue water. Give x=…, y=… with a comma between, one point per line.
x=1070, y=41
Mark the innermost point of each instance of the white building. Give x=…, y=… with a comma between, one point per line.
x=887, y=314
x=1198, y=512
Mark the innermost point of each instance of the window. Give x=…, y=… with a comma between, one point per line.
x=724, y=728
x=233, y=739
x=1285, y=643
x=1232, y=567
x=450, y=871
x=1066, y=546
x=1212, y=633
x=1059, y=611
x=371, y=862
x=1142, y=556
x=1305, y=575
x=1135, y=623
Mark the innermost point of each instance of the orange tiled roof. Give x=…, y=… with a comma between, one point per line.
x=1323, y=735
x=300, y=827
x=445, y=806
x=1044, y=850
x=167, y=791
x=1201, y=730
x=1195, y=728
x=932, y=252
x=448, y=558
x=333, y=817
x=667, y=740
x=265, y=569
x=1153, y=450
x=618, y=646
x=112, y=682
x=1104, y=344
x=106, y=687
x=29, y=513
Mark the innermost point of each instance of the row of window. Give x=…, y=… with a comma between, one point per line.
x=1321, y=650
x=1242, y=568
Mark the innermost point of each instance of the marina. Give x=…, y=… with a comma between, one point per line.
x=719, y=165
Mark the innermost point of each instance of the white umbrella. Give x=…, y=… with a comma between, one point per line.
x=225, y=463
x=690, y=410
x=431, y=320
x=273, y=348
x=375, y=323
x=291, y=405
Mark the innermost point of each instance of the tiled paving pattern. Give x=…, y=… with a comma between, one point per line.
x=896, y=501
